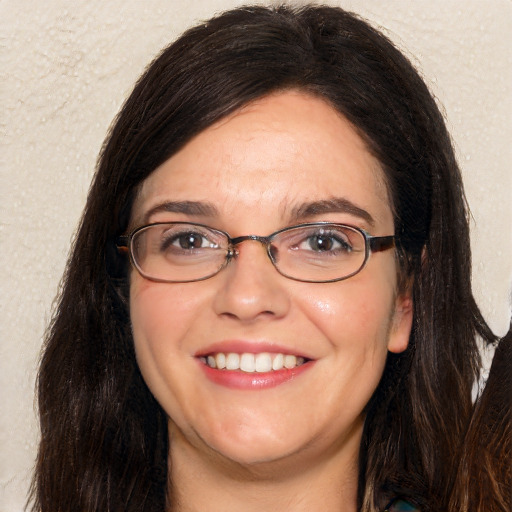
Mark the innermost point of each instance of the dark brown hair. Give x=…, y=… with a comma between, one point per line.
x=483, y=481
x=104, y=438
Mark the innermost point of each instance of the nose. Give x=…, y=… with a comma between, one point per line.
x=251, y=287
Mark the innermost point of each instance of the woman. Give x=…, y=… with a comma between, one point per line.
x=196, y=372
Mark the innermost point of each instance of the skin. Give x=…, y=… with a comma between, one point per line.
x=293, y=446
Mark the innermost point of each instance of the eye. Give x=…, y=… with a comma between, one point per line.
x=191, y=241
x=326, y=242
x=186, y=240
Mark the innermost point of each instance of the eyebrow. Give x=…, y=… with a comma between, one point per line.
x=333, y=205
x=299, y=213
x=186, y=207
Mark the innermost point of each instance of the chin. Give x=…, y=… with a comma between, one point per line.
x=252, y=448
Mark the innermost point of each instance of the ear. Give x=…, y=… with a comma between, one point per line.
x=401, y=323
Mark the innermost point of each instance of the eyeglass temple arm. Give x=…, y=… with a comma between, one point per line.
x=122, y=243
x=381, y=243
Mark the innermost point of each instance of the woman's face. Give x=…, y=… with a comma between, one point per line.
x=285, y=159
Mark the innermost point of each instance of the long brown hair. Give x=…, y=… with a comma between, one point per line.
x=104, y=438
x=483, y=479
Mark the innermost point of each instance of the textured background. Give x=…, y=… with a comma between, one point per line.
x=66, y=68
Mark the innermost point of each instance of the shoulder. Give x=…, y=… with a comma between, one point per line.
x=398, y=505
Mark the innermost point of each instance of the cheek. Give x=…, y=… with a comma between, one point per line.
x=353, y=319
x=161, y=316
x=162, y=307
x=356, y=309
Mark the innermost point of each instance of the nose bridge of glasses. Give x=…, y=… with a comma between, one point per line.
x=264, y=240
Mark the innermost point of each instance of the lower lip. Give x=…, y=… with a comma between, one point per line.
x=236, y=379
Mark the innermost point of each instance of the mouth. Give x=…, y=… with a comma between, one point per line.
x=240, y=365
x=263, y=362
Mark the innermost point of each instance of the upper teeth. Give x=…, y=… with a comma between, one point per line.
x=263, y=362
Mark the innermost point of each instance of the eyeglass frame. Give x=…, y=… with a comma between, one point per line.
x=371, y=243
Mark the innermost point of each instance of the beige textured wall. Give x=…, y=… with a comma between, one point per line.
x=65, y=69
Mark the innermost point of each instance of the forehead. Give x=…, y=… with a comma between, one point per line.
x=269, y=158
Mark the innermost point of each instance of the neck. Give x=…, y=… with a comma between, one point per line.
x=207, y=482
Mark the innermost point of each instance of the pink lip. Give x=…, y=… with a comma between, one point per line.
x=248, y=347
x=236, y=379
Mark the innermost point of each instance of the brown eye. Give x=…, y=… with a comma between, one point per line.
x=321, y=243
x=190, y=241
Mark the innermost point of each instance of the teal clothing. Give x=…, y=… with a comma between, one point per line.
x=400, y=506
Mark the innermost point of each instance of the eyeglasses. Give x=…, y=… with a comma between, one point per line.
x=181, y=252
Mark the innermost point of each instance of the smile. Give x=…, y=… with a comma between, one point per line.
x=263, y=362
